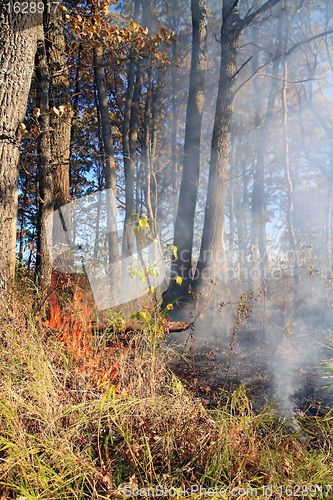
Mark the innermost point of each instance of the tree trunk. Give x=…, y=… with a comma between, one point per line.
x=109, y=166
x=60, y=124
x=184, y=225
x=23, y=213
x=43, y=268
x=146, y=154
x=258, y=229
x=328, y=228
x=174, y=169
x=129, y=138
x=128, y=236
x=60, y=130
x=18, y=36
x=285, y=156
x=211, y=259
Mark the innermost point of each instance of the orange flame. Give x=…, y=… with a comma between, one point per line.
x=76, y=331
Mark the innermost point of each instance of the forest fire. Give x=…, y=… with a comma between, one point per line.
x=75, y=329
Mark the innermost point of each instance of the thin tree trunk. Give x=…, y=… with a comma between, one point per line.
x=75, y=105
x=258, y=229
x=130, y=217
x=109, y=162
x=43, y=269
x=101, y=161
x=285, y=155
x=145, y=154
x=231, y=210
x=328, y=228
x=258, y=236
x=24, y=206
x=129, y=137
x=18, y=36
x=174, y=200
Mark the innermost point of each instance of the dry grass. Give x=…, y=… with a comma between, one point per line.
x=64, y=437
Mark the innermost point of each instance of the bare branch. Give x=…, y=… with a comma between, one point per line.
x=282, y=55
x=249, y=18
x=242, y=66
x=291, y=81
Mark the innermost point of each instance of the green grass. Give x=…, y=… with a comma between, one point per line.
x=61, y=437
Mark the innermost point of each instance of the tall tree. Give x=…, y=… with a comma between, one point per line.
x=130, y=135
x=184, y=225
x=60, y=120
x=258, y=208
x=109, y=166
x=45, y=182
x=209, y=263
x=18, y=37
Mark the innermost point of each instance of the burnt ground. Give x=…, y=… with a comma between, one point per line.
x=211, y=370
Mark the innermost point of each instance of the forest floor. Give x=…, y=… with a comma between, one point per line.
x=212, y=372
x=85, y=418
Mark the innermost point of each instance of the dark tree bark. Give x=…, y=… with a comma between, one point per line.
x=184, y=225
x=59, y=96
x=23, y=214
x=130, y=167
x=127, y=138
x=174, y=169
x=18, y=38
x=43, y=268
x=146, y=159
x=60, y=129
x=109, y=166
x=211, y=257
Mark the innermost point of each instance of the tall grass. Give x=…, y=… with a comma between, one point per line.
x=63, y=437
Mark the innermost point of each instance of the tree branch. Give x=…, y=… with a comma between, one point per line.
x=249, y=18
x=278, y=56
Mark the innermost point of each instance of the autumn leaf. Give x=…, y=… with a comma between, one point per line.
x=179, y=280
x=36, y=113
x=55, y=111
x=61, y=110
x=169, y=306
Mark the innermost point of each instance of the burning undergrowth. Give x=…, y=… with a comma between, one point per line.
x=63, y=435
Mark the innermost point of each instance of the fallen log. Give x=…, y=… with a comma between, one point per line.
x=168, y=326
x=138, y=326
x=131, y=326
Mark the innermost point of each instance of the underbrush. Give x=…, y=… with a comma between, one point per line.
x=62, y=436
